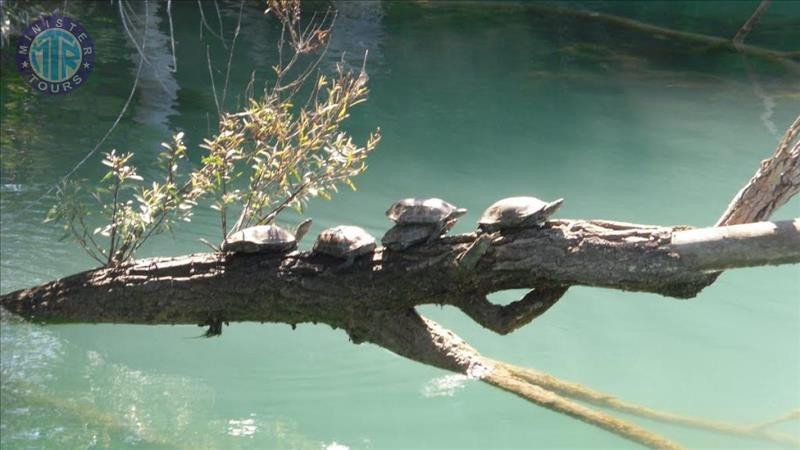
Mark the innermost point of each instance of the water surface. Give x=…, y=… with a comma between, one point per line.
x=476, y=101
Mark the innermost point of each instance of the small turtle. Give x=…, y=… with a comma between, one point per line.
x=517, y=212
x=265, y=239
x=345, y=242
x=432, y=211
x=403, y=236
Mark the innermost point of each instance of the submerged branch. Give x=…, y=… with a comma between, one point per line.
x=579, y=392
x=751, y=22
x=704, y=40
x=417, y=338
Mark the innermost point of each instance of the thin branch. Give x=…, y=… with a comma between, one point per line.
x=204, y=24
x=213, y=83
x=219, y=18
x=747, y=27
x=230, y=54
x=282, y=205
x=172, y=37
x=139, y=49
x=112, y=250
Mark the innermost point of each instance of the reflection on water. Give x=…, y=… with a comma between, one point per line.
x=444, y=386
x=96, y=403
x=242, y=427
x=476, y=102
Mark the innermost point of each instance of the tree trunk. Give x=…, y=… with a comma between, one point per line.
x=304, y=287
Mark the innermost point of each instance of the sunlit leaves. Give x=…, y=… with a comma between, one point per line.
x=276, y=153
x=131, y=211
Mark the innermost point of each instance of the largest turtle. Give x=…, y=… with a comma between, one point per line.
x=419, y=220
x=423, y=210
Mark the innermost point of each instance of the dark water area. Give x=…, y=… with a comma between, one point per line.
x=476, y=101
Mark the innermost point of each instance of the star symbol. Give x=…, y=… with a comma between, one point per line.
x=24, y=64
x=86, y=65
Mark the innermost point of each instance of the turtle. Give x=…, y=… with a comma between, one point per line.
x=431, y=211
x=517, y=212
x=344, y=242
x=402, y=236
x=265, y=239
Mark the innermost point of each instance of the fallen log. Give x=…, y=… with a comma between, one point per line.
x=306, y=287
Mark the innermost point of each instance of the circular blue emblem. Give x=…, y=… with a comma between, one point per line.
x=55, y=55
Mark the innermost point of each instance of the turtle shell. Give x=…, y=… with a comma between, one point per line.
x=344, y=241
x=517, y=212
x=260, y=238
x=423, y=210
x=403, y=236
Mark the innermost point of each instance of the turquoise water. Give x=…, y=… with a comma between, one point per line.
x=476, y=101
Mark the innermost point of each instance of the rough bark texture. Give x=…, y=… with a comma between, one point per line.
x=774, y=183
x=305, y=287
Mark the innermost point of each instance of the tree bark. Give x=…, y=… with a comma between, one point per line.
x=305, y=287
x=774, y=183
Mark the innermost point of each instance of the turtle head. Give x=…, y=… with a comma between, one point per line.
x=302, y=229
x=457, y=213
x=553, y=206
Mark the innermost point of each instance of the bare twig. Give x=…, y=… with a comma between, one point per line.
x=230, y=54
x=172, y=37
x=213, y=83
x=219, y=18
x=204, y=24
x=124, y=18
x=747, y=27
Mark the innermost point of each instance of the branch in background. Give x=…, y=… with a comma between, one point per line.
x=774, y=183
x=747, y=27
x=711, y=42
x=204, y=24
x=124, y=18
x=230, y=54
x=213, y=83
x=174, y=67
x=219, y=18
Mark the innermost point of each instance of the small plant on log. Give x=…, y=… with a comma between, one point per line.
x=286, y=154
x=132, y=211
